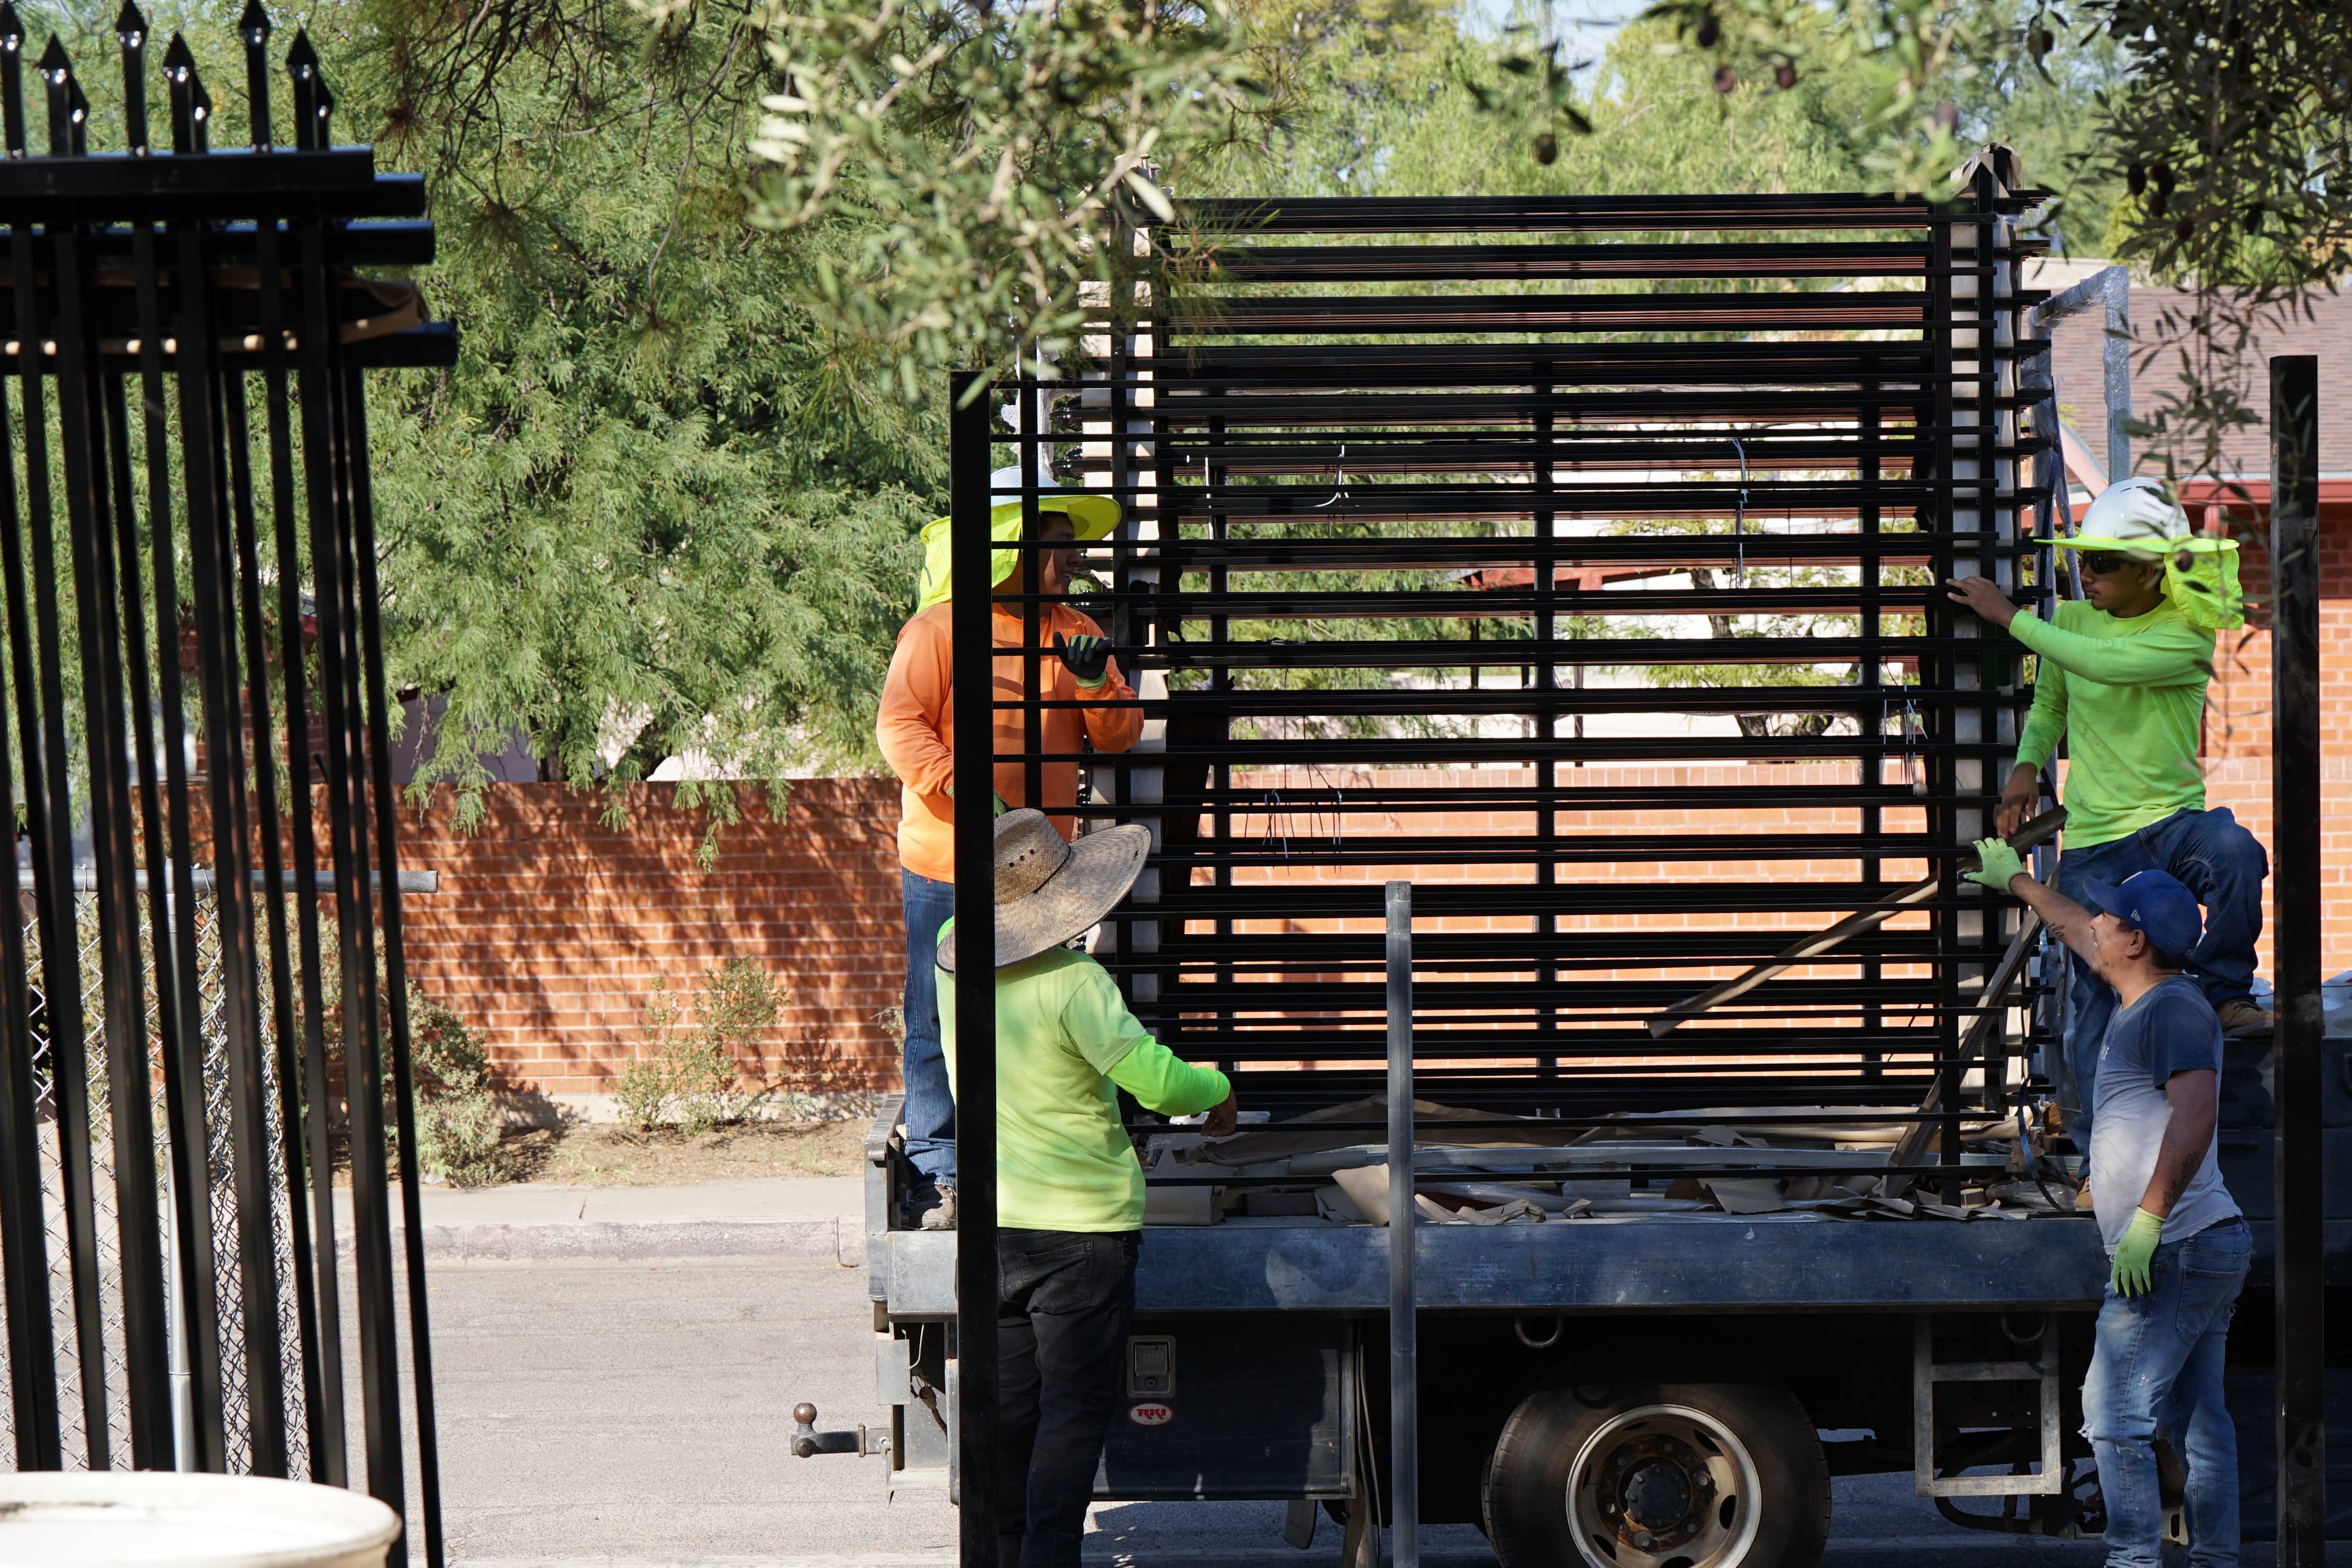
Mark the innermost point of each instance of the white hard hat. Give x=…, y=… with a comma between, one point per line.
x=2137, y=515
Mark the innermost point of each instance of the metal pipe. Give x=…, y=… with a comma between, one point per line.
x=973, y=643
x=2295, y=815
x=1404, y=1351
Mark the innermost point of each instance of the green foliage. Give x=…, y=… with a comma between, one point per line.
x=2206, y=142
x=990, y=159
x=687, y=1075
x=657, y=510
x=458, y=1122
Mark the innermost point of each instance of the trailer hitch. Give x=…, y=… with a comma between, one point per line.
x=808, y=1442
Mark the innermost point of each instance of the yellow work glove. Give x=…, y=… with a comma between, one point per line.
x=1997, y=863
x=2135, y=1252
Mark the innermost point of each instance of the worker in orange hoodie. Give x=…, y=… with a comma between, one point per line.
x=917, y=732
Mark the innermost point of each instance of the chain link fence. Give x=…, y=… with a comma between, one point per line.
x=221, y=1194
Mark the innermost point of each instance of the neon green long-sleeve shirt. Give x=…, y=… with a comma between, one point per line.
x=2129, y=696
x=1064, y=1036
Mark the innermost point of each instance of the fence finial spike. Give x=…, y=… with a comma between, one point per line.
x=253, y=24
x=56, y=64
x=302, y=59
x=129, y=24
x=178, y=59
x=12, y=28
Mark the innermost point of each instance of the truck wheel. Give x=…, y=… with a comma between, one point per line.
x=1695, y=1475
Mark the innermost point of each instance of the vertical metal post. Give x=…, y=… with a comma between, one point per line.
x=1405, y=1350
x=972, y=645
x=2115, y=369
x=2295, y=888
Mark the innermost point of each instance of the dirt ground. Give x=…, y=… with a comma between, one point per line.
x=595, y=1154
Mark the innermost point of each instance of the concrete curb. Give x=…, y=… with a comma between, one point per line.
x=839, y=1240
x=814, y=1218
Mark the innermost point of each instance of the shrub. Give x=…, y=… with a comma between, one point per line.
x=457, y=1119
x=687, y=1075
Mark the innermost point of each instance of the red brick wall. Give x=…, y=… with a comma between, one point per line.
x=2238, y=701
x=551, y=928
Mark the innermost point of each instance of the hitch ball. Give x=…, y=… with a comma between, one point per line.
x=808, y=1442
x=806, y=1445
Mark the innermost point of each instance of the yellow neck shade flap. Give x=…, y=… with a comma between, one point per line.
x=2201, y=575
x=1091, y=517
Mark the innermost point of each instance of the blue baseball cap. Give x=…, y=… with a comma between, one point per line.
x=2154, y=902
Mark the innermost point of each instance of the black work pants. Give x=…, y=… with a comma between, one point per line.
x=1064, y=1299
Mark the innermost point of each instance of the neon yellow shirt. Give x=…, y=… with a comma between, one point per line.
x=2129, y=696
x=1064, y=1038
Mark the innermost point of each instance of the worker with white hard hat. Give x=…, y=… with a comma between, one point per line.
x=2123, y=675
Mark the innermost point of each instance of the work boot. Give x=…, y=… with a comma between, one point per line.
x=2241, y=1018
x=2082, y=1204
x=941, y=1215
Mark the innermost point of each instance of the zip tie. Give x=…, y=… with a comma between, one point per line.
x=1339, y=474
x=1739, y=521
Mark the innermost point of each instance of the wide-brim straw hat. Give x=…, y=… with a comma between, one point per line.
x=1049, y=890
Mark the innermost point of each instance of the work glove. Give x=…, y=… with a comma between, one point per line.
x=1001, y=807
x=1087, y=658
x=2135, y=1252
x=1997, y=863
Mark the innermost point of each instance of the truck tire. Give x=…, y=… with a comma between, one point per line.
x=1659, y=1475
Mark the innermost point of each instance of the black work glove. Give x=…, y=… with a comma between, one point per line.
x=1087, y=658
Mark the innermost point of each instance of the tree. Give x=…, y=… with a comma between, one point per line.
x=658, y=508
x=993, y=157
x=2227, y=124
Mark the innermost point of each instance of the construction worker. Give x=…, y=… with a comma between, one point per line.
x=2123, y=675
x=917, y=732
x=1069, y=1193
x=2177, y=1244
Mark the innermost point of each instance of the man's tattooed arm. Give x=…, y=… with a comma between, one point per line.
x=2187, y=1134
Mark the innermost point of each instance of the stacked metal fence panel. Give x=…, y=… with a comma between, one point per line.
x=202, y=1008
x=1538, y=549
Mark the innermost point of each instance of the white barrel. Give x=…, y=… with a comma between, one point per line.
x=147, y=1519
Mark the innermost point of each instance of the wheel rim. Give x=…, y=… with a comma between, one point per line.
x=1663, y=1486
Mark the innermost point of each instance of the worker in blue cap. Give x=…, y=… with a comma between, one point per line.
x=2177, y=1243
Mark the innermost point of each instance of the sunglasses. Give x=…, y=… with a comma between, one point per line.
x=2099, y=563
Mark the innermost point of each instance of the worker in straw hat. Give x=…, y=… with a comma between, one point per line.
x=2123, y=675
x=916, y=733
x=1069, y=1193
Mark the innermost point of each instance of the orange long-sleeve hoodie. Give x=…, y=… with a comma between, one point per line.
x=916, y=728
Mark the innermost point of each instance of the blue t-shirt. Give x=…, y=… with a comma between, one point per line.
x=2171, y=1029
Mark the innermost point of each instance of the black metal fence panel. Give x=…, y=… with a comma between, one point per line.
x=202, y=1005
x=1441, y=517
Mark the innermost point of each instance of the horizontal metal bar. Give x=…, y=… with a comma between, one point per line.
x=1471, y=262
x=1562, y=214
x=231, y=182
x=85, y=880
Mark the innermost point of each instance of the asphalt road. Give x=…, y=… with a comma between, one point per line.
x=636, y=1417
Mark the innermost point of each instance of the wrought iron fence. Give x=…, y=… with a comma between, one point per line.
x=221, y=1200
x=209, y=891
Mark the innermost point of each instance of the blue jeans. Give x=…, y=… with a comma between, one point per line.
x=2157, y=1368
x=930, y=1114
x=2215, y=859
